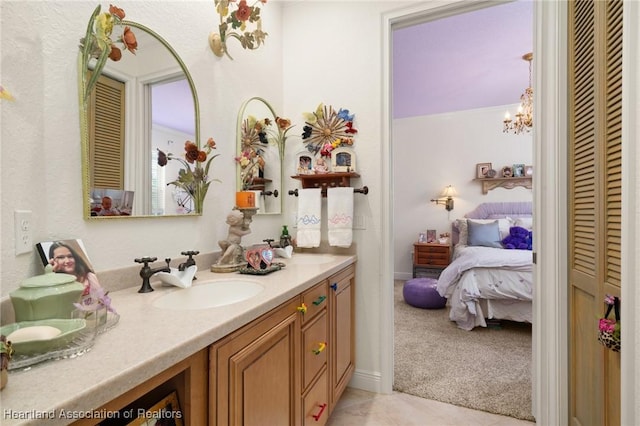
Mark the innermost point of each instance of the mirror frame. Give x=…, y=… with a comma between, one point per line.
x=84, y=124
x=241, y=118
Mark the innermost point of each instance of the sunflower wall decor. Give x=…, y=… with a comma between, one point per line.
x=325, y=130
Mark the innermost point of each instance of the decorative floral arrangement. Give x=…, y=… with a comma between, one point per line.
x=255, y=136
x=609, y=325
x=233, y=24
x=96, y=300
x=325, y=130
x=194, y=181
x=97, y=43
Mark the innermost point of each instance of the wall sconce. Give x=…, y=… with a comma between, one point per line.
x=446, y=198
x=235, y=20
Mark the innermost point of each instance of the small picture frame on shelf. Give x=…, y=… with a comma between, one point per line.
x=422, y=237
x=482, y=169
x=518, y=170
x=343, y=159
x=166, y=411
x=304, y=163
x=507, y=172
x=431, y=235
x=528, y=171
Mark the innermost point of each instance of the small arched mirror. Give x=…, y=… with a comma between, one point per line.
x=260, y=141
x=130, y=109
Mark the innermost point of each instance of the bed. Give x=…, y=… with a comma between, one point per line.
x=485, y=280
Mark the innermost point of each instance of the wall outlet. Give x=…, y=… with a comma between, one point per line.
x=24, y=232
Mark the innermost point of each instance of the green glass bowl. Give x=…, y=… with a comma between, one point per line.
x=69, y=330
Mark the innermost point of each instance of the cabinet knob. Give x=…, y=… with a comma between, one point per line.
x=321, y=347
x=302, y=309
x=316, y=417
x=334, y=286
x=319, y=300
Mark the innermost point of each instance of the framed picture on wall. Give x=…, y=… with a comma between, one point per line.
x=528, y=171
x=518, y=170
x=482, y=169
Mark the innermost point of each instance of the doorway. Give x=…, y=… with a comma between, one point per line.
x=469, y=79
x=549, y=335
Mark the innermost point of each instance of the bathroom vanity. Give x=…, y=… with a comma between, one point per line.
x=264, y=360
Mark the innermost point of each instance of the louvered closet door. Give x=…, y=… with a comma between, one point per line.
x=595, y=83
x=106, y=114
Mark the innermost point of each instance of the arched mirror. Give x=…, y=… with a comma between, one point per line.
x=131, y=110
x=260, y=142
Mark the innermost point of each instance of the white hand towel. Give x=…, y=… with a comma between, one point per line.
x=340, y=216
x=309, y=212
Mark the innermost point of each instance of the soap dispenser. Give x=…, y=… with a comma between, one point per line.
x=285, y=238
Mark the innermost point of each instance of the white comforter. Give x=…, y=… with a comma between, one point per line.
x=484, y=273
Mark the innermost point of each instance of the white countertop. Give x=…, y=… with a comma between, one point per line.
x=146, y=341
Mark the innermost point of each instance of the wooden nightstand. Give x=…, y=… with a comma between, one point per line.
x=430, y=259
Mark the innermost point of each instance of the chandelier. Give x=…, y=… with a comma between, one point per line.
x=523, y=121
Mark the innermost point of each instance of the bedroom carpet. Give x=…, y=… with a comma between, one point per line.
x=486, y=369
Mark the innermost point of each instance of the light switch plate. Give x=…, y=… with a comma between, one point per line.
x=23, y=230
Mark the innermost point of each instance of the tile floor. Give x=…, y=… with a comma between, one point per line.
x=361, y=408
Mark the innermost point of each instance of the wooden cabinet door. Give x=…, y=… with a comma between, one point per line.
x=254, y=372
x=342, y=329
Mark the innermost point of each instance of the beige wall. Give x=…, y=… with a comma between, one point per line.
x=431, y=152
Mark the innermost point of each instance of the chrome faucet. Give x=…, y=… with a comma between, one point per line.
x=146, y=272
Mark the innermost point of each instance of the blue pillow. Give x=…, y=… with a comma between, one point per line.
x=484, y=234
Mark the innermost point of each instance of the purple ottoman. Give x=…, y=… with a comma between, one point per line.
x=422, y=293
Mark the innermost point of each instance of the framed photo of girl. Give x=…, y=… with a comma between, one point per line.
x=69, y=257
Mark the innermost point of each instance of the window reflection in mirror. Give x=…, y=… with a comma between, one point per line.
x=172, y=123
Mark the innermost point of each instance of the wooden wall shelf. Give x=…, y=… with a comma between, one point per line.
x=508, y=183
x=258, y=184
x=326, y=180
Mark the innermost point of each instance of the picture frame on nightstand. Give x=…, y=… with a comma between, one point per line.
x=431, y=235
x=422, y=237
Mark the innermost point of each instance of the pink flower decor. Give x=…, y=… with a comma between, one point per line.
x=96, y=299
x=607, y=325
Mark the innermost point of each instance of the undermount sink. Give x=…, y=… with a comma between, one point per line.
x=211, y=294
x=311, y=259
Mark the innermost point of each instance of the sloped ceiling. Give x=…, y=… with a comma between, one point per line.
x=467, y=61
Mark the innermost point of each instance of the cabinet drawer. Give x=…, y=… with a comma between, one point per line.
x=315, y=299
x=433, y=249
x=432, y=259
x=315, y=404
x=315, y=338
